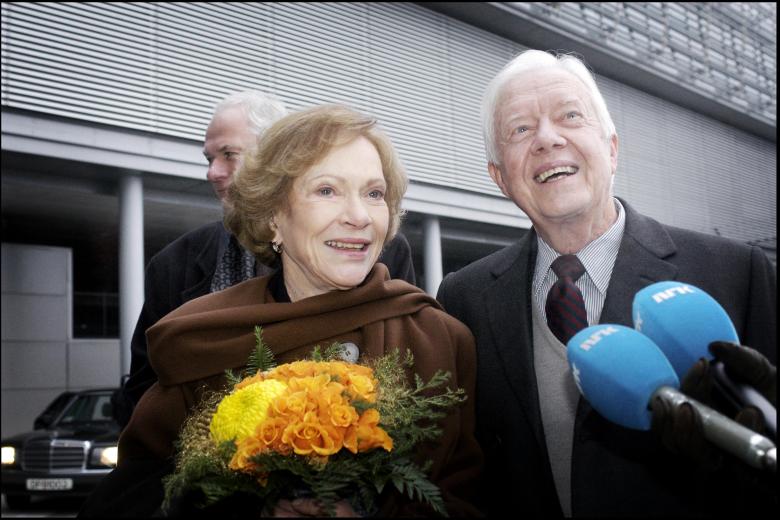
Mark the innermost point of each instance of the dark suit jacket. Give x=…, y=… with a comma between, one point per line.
x=182, y=271
x=615, y=471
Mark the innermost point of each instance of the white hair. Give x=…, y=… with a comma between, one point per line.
x=533, y=60
x=262, y=110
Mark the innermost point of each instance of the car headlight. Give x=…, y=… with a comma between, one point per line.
x=103, y=456
x=9, y=455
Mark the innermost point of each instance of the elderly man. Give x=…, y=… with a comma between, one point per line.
x=209, y=258
x=552, y=148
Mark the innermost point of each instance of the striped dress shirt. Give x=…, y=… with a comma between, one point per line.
x=598, y=257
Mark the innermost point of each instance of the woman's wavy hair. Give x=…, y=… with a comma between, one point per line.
x=287, y=150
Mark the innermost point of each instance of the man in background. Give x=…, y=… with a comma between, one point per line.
x=209, y=259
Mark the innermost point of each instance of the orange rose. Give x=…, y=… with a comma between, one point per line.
x=249, y=380
x=342, y=415
x=293, y=404
x=269, y=432
x=374, y=438
x=350, y=438
x=330, y=395
x=363, y=370
x=331, y=440
x=362, y=387
x=309, y=382
x=294, y=369
x=245, y=449
x=308, y=436
x=369, y=434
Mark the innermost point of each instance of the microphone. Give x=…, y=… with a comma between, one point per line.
x=683, y=320
x=620, y=371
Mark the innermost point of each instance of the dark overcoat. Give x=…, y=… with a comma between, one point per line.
x=615, y=471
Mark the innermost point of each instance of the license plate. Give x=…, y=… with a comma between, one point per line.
x=49, y=484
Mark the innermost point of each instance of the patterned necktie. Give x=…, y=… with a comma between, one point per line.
x=565, y=308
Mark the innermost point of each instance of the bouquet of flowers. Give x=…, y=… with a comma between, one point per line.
x=330, y=428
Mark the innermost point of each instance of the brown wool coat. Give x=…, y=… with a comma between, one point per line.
x=191, y=347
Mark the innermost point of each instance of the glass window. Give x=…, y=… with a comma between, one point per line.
x=87, y=408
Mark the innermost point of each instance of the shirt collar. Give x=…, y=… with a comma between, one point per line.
x=598, y=257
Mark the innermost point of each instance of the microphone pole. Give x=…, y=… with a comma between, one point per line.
x=745, y=444
x=619, y=371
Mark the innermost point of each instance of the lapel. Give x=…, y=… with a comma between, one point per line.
x=508, y=304
x=641, y=261
x=202, y=269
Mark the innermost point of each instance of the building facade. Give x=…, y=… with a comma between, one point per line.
x=104, y=107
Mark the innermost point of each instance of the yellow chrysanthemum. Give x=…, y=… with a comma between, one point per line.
x=242, y=411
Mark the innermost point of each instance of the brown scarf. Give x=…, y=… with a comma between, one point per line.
x=216, y=331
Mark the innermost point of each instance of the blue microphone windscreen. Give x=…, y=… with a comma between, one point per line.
x=682, y=320
x=617, y=369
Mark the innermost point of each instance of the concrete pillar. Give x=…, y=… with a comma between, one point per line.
x=131, y=262
x=432, y=254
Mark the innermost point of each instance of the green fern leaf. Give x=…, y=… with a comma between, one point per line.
x=232, y=379
x=262, y=357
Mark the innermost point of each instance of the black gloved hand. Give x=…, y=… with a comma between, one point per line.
x=680, y=430
x=747, y=365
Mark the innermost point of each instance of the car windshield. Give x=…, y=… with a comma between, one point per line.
x=88, y=408
x=55, y=407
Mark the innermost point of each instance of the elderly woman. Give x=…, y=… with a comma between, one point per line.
x=321, y=195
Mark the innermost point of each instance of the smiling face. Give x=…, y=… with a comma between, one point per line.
x=556, y=164
x=335, y=223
